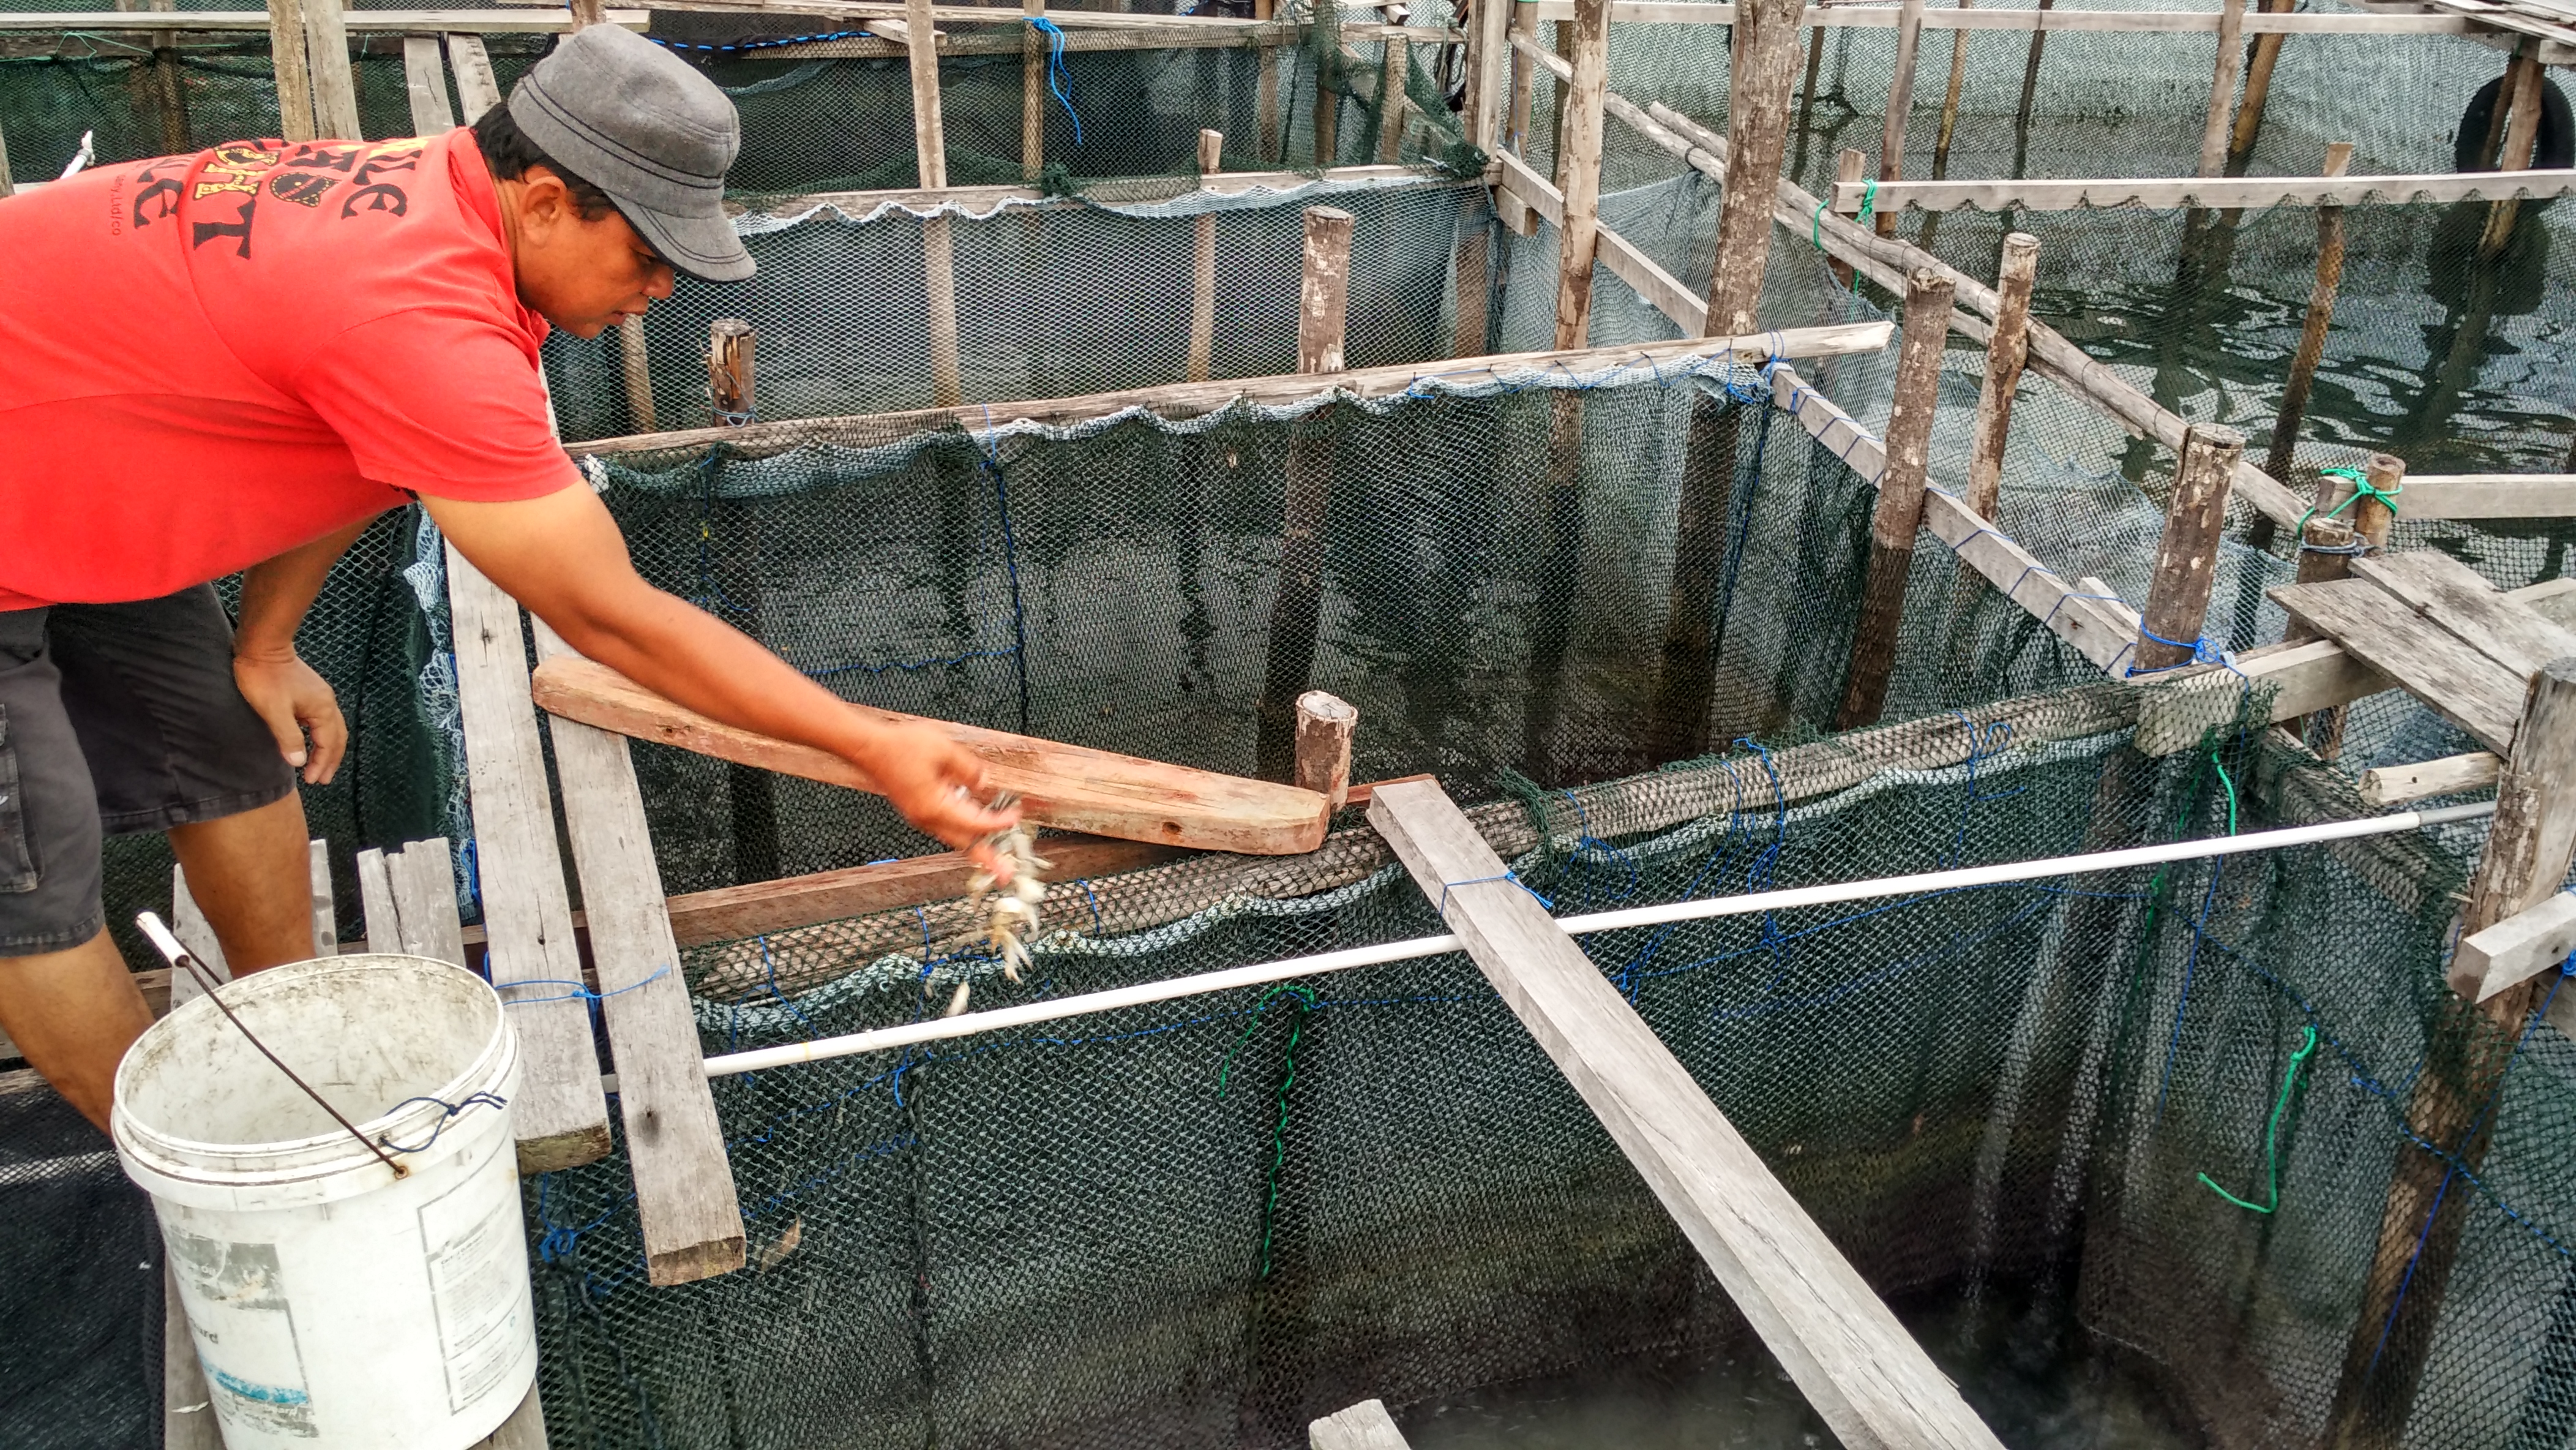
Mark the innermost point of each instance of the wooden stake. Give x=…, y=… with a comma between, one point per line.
x=2323, y=556
x=1033, y=91
x=1392, y=103
x=2187, y=555
x=2312, y=337
x=1324, y=726
x=286, y=49
x=929, y=135
x=1899, y=513
x=1328, y=107
x=1900, y=102
x=2521, y=135
x=2029, y=91
x=1488, y=48
x=1323, y=299
x=1757, y=121
x=729, y=377
x=2258, y=85
x=638, y=366
x=1950, y=100
x=939, y=276
x=1578, y=154
x=2006, y=350
x=2222, y=88
x=1203, y=264
x=1470, y=283
x=2458, y=1093
x=1524, y=78
x=2369, y=517
x=587, y=13
x=1323, y=290
x=335, y=91
x=1267, y=87
x=1849, y=166
x=2492, y=144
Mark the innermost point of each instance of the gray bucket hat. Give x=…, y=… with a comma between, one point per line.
x=635, y=121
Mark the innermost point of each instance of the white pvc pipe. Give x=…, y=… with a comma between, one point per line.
x=1031, y=1013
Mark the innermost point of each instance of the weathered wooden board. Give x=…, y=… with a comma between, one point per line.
x=2396, y=785
x=2490, y=496
x=2452, y=596
x=1364, y=1426
x=684, y=1190
x=2166, y=22
x=2516, y=949
x=1872, y=1384
x=423, y=884
x=480, y=21
x=2462, y=686
x=1660, y=288
x=2236, y=192
x=1066, y=786
x=426, y=77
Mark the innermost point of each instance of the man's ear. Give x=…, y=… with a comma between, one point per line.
x=544, y=201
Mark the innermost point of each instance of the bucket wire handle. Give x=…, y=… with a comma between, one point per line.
x=181, y=960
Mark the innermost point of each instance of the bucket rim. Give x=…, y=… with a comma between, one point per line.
x=494, y=1062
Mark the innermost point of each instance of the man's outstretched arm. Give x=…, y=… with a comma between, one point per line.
x=563, y=557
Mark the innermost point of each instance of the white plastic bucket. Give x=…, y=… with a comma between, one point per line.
x=333, y=1303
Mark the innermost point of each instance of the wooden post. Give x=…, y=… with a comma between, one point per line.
x=155, y=87
x=930, y=151
x=638, y=366
x=1900, y=103
x=2451, y=1113
x=1757, y=122
x=2258, y=86
x=1267, y=87
x=1203, y=264
x=2312, y=337
x=2521, y=134
x=286, y=48
x=1323, y=290
x=2006, y=349
x=1469, y=284
x=2222, y=87
x=1849, y=166
x=1950, y=100
x=1392, y=103
x=1364, y=1426
x=1524, y=78
x=2187, y=555
x=1899, y=513
x=587, y=13
x=729, y=374
x=1488, y=49
x=1033, y=92
x=2324, y=555
x=1323, y=300
x=8, y=187
x=1578, y=172
x=1328, y=103
x=335, y=90
x=1324, y=726
x=426, y=78
x=2370, y=518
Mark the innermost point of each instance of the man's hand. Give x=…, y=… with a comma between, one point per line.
x=295, y=702
x=562, y=557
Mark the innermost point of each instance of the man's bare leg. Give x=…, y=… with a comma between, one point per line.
x=251, y=874
x=73, y=1014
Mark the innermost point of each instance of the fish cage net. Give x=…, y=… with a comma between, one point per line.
x=1205, y=1221
x=1053, y=299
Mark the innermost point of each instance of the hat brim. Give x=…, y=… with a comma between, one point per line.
x=706, y=248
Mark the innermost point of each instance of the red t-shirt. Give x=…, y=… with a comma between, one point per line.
x=207, y=360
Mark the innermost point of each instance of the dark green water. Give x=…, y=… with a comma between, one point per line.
x=2038, y=1382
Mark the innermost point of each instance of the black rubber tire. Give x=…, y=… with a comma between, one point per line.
x=2557, y=148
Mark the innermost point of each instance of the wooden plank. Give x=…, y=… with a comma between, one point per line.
x=2216, y=191
x=983, y=201
x=1661, y=289
x=188, y=923
x=427, y=78
x=2491, y=496
x=477, y=89
x=560, y=1116
x=1173, y=400
x=524, y=1430
x=376, y=902
x=424, y=891
x=335, y=85
x=1868, y=1379
x=2157, y=22
x=1066, y=786
x=2453, y=596
x=477, y=21
x=1203, y=266
x=2516, y=949
x=684, y=1194
x=1080, y=41
x=1364, y=1426
x=326, y=905
x=2462, y=686
x=2397, y=785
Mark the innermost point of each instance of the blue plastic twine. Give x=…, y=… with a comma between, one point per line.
x=1059, y=80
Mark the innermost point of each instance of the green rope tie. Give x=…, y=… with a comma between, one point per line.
x=2272, y=1133
x=1305, y=998
x=1868, y=204
x=2362, y=488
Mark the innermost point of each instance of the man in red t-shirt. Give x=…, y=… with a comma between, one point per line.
x=231, y=362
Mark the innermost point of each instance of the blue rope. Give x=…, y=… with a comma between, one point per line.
x=1059, y=79
x=580, y=991
x=490, y=1100
x=1481, y=880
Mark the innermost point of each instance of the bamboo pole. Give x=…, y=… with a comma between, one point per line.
x=2325, y=554
x=2187, y=554
x=1033, y=91
x=2312, y=336
x=2371, y=519
x=2258, y=85
x=2458, y=1094
x=2521, y=135
x=2222, y=88
x=1578, y=171
x=1757, y=118
x=2006, y=350
x=1203, y=265
x=1900, y=104
x=1898, y=516
x=1323, y=299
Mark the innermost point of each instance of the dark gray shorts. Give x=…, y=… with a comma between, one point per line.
x=114, y=718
